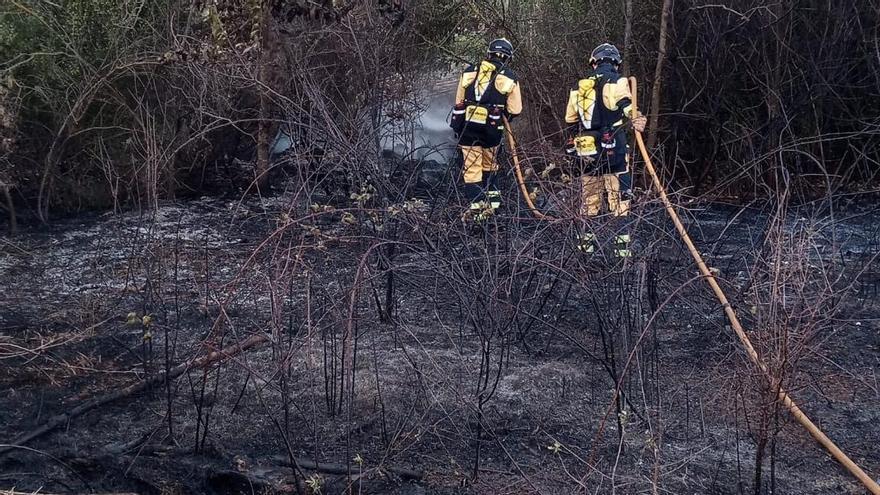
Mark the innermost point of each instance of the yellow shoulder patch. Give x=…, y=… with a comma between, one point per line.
x=614, y=92
x=467, y=79
x=504, y=84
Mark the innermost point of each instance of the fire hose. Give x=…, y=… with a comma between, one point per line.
x=511, y=143
x=781, y=394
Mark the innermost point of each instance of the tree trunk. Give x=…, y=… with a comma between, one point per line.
x=658, y=74
x=261, y=168
x=627, y=35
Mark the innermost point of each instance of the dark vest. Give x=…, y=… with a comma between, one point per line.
x=489, y=134
x=491, y=96
x=602, y=117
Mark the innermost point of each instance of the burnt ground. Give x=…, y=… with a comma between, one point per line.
x=551, y=326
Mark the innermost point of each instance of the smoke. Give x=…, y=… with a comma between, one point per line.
x=433, y=136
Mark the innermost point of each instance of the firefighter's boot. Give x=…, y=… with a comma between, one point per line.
x=621, y=246
x=473, y=192
x=493, y=194
x=586, y=242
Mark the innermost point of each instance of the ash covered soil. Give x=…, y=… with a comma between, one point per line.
x=503, y=334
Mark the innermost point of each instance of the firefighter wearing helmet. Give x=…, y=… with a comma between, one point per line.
x=486, y=92
x=598, y=107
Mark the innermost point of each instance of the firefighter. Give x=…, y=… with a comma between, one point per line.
x=486, y=92
x=598, y=107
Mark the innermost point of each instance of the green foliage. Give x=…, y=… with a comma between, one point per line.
x=68, y=59
x=20, y=34
x=73, y=35
x=55, y=51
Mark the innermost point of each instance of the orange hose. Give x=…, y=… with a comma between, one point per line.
x=511, y=142
x=781, y=394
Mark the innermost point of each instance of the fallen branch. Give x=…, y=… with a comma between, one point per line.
x=407, y=474
x=198, y=362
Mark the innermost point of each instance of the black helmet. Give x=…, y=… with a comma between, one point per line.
x=605, y=51
x=501, y=47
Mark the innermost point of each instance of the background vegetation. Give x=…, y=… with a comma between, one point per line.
x=322, y=321
x=109, y=103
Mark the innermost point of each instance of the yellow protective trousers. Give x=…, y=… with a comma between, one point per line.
x=594, y=188
x=477, y=160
